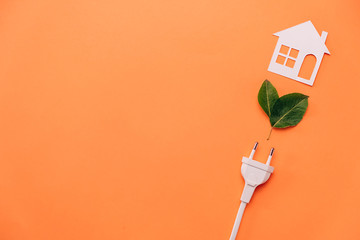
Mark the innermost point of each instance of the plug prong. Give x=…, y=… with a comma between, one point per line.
x=270, y=156
x=253, y=150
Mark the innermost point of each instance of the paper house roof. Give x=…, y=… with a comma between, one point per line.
x=303, y=36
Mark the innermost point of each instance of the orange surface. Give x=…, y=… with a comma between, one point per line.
x=128, y=120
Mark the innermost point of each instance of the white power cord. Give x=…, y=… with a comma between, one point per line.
x=255, y=173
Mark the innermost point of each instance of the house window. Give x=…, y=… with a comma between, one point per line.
x=287, y=56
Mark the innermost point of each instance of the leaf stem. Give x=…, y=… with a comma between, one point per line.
x=269, y=133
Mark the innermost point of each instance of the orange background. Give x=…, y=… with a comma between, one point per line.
x=128, y=120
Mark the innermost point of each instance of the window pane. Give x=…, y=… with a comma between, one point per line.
x=294, y=53
x=284, y=49
x=290, y=63
x=281, y=60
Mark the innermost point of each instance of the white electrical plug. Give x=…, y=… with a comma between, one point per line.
x=254, y=173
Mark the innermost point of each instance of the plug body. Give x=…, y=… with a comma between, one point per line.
x=254, y=173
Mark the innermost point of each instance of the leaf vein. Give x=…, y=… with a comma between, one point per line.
x=288, y=112
x=267, y=97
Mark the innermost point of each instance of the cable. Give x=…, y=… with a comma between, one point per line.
x=237, y=221
x=254, y=174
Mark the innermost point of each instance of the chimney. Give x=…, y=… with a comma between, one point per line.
x=323, y=36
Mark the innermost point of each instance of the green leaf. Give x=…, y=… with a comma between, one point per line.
x=288, y=110
x=267, y=97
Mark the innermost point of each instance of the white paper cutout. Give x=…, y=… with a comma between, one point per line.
x=303, y=39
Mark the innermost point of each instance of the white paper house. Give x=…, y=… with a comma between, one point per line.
x=294, y=45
